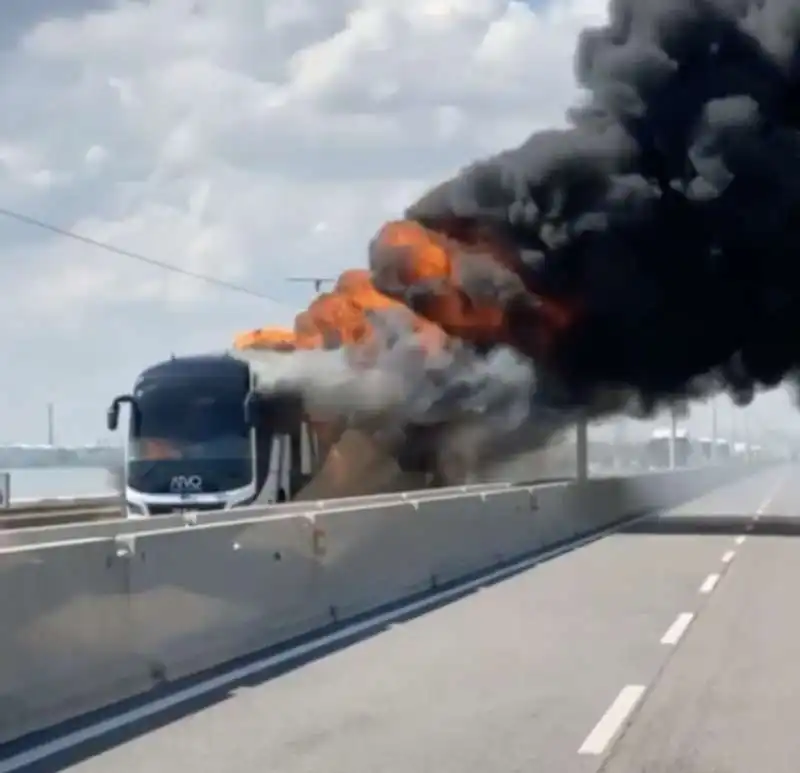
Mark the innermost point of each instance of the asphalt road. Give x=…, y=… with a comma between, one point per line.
x=640, y=653
x=728, y=700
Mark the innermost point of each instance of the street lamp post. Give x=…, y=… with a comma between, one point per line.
x=673, y=431
x=714, y=430
x=582, y=448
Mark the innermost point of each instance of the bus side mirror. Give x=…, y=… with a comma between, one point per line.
x=112, y=418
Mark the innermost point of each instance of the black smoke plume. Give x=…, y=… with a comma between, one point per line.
x=670, y=207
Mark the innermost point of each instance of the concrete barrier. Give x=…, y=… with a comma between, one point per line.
x=201, y=597
x=65, y=641
x=667, y=489
x=129, y=608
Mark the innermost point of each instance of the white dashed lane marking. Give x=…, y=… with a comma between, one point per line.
x=709, y=583
x=678, y=628
x=624, y=704
x=610, y=723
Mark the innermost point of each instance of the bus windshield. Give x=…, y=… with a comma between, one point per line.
x=189, y=430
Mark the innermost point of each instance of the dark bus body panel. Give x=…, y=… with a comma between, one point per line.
x=190, y=435
x=193, y=443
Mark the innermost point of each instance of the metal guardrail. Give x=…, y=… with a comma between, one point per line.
x=75, y=522
x=56, y=511
x=51, y=518
x=68, y=510
x=50, y=504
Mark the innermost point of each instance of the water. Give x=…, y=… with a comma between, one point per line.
x=43, y=483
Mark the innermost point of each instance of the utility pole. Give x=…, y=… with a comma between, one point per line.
x=714, y=430
x=746, y=433
x=582, y=448
x=673, y=431
x=618, y=444
x=317, y=281
x=51, y=425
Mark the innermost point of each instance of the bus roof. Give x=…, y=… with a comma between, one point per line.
x=203, y=366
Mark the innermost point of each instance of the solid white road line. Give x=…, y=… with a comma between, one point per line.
x=678, y=628
x=709, y=583
x=610, y=723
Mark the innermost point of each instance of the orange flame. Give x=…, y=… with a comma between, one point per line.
x=159, y=449
x=427, y=274
x=266, y=338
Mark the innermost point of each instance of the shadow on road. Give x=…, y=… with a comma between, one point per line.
x=764, y=526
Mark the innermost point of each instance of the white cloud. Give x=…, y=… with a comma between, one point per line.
x=251, y=140
x=283, y=115
x=96, y=156
x=248, y=139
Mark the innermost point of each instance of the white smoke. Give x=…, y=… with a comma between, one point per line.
x=403, y=382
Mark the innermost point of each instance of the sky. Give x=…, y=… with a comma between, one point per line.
x=249, y=140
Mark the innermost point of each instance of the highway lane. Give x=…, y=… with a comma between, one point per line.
x=518, y=676
x=729, y=698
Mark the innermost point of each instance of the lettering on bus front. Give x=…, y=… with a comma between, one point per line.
x=186, y=484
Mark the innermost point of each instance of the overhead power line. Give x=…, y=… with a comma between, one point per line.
x=32, y=221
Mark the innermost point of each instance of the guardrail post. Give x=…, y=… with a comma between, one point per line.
x=582, y=449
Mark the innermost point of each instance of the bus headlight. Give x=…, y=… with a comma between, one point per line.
x=135, y=510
